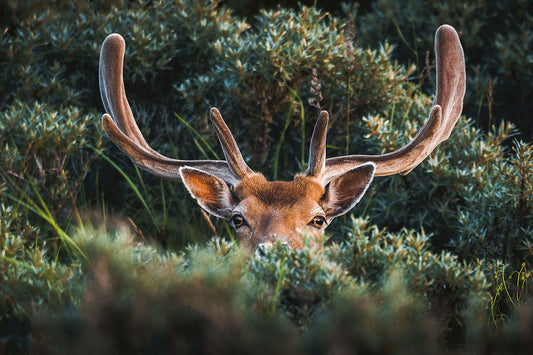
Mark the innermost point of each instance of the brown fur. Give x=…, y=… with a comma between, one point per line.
x=279, y=193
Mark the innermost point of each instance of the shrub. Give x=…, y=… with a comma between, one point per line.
x=376, y=292
x=30, y=282
x=217, y=299
x=389, y=319
x=265, y=74
x=139, y=299
x=472, y=194
x=446, y=222
x=298, y=281
x=45, y=155
x=497, y=220
x=496, y=35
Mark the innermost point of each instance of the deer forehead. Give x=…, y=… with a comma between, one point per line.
x=303, y=192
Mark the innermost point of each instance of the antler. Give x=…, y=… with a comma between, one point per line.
x=317, y=148
x=120, y=125
x=446, y=110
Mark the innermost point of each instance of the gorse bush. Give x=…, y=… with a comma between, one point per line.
x=440, y=257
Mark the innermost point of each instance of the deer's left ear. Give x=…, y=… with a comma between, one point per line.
x=343, y=192
x=211, y=192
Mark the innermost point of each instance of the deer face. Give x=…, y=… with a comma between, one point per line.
x=262, y=211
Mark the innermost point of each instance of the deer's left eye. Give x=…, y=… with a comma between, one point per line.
x=318, y=222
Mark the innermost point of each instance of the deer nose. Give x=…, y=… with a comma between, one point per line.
x=261, y=248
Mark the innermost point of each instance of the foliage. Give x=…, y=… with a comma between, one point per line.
x=216, y=298
x=511, y=292
x=441, y=277
x=139, y=299
x=475, y=194
x=391, y=319
x=497, y=220
x=496, y=35
x=30, y=282
x=269, y=99
x=306, y=278
x=45, y=155
x=300, y=280
x=265, y=75
x=447, y=269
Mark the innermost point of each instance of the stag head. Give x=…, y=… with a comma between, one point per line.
x=262, y=211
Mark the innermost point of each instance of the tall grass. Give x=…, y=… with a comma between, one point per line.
x=40, y=209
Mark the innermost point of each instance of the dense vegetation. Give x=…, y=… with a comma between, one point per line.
x=98, y=256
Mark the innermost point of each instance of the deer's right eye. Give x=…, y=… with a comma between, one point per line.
x=237, y=221
x=318, y=222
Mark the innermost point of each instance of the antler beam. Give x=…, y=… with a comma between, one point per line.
x=447, y=108
x=120, y=125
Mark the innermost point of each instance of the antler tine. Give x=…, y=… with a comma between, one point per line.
x=112, y=88
x=317, y=147
x=451, y=78
x=447, y=108
x=120, y=125
x=231, y=151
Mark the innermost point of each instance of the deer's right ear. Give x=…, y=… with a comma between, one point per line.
x=211, y=192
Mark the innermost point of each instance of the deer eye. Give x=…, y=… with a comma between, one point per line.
x=237, y=221
x=317, y=222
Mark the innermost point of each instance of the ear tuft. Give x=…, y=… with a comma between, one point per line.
x=211, y=192
x=343, y=192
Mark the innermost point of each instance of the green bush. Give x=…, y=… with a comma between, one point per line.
x=30, y=282
x=266, y=76
x=139, y=299
x=497, y=220
x=496, y=35
x=306, y=278
x=272, y=97
x=45, y=155
x=424, y=264
x=215, y=298
x=472, y=194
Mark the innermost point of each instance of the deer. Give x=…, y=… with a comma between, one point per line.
x=262, y=212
